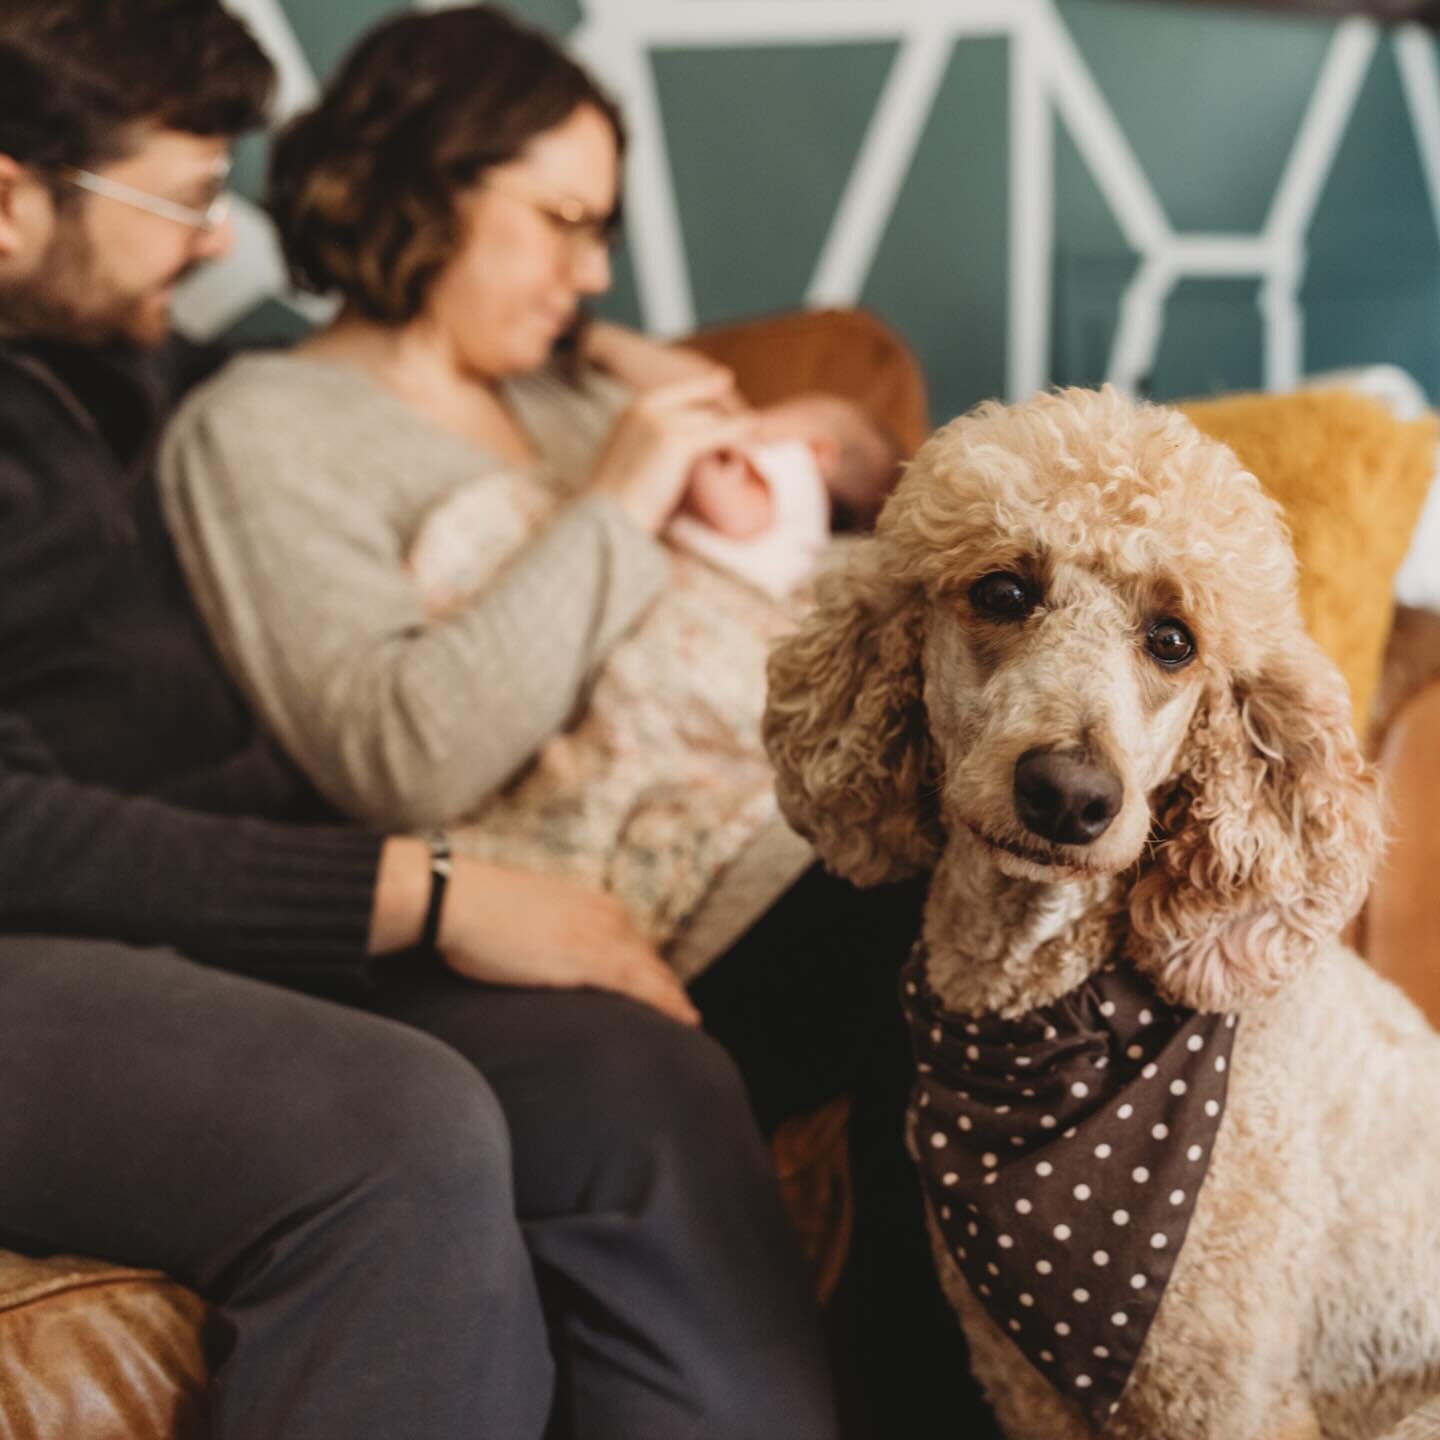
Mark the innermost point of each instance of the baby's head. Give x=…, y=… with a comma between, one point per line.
x=858, y=464
x=857, y=461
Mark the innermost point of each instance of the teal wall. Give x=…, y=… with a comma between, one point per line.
x=762, y=134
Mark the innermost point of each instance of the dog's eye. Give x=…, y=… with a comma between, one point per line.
x=1170, y=642
x=1003, y=595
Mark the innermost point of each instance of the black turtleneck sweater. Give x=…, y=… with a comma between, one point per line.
x=138, y=798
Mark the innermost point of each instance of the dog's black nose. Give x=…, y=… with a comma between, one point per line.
x=1065, y=797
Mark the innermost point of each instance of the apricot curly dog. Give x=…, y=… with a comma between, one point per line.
x=1181, y=1149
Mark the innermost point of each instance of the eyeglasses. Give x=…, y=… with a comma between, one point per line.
x=575, y=224
x=207, y=220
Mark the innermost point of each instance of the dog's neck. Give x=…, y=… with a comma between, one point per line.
x=1005, y=946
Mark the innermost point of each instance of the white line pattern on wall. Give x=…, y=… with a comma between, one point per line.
x=1047, y=76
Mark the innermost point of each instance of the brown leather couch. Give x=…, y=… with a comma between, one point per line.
x=1400, y=927
x=90, y=1351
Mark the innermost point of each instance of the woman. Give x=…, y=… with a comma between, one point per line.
x=457, y=186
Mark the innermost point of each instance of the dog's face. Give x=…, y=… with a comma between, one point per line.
x=1058, y=698
x=1075, y=636
x=1097, y=565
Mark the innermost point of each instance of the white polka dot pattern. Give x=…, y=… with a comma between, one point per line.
x=1078, y=1192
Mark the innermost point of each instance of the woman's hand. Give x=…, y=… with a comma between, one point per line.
x=519, y=928
x=646, y=462
x=515, y=927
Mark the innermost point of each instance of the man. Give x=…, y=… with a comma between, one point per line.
x=401, y=1191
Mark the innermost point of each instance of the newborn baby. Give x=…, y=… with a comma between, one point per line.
x=765, y=513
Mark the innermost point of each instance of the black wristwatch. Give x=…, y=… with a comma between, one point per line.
x=440, y=866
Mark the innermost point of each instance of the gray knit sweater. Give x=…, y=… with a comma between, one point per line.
x=293, y=489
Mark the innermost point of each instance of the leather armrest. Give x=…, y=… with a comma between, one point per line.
x=1401, y=926
x=98, y=1351
x=1412, y=662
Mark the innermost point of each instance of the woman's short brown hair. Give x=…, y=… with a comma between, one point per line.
x=363, y=187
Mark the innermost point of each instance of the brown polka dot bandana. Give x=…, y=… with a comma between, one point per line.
x=1061, y=1154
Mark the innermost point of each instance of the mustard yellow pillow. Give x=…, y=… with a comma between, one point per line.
x=1351, y=479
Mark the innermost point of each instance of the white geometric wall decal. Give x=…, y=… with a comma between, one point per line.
x=216, y=297
x=295, y=88
x=1275, y=256
x=1420, y=79
x=1046, y=71
x=1048, y=78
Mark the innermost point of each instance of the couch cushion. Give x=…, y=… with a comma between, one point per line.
x=1351, y=479
x=97, y=1351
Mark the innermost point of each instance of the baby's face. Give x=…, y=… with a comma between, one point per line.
x=727, y=494
x=857, y=463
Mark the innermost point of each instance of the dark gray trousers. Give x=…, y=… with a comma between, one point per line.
x=467, y=1213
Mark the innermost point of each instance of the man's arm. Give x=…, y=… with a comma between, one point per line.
x=83, y=860
x=293, y=902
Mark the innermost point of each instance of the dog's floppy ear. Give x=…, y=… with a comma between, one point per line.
x=845, y=725
x=1268, y=839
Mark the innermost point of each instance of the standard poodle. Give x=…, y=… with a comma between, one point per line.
x=1180, y=1147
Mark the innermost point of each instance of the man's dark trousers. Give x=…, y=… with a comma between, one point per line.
x=387, y=1204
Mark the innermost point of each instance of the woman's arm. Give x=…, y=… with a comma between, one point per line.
x=286, y=527
x=399, y=720
x=511, y=927
x=292, y=520
x=83, y=860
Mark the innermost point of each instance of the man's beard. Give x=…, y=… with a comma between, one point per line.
x=66, y=298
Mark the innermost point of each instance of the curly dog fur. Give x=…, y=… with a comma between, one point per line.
x=1306, y=1301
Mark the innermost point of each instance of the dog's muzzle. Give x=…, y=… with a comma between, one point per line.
x=1065, y=797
